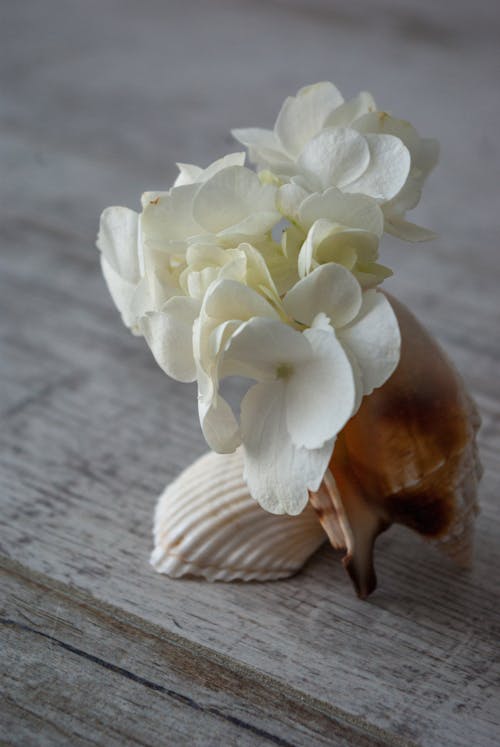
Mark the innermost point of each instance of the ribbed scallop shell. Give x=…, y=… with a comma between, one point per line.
x=207, y=524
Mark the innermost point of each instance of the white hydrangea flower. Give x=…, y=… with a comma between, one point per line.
x=314, y=359
x=200, y=274
x=133, y=291
x=320, y=141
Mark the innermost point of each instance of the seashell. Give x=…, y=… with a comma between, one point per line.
x=206, y=524
x=408, y=456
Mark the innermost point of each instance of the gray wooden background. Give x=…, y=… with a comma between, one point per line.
x=99, y=99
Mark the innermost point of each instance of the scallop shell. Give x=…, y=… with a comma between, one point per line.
x=408, y=456
x=207, y=525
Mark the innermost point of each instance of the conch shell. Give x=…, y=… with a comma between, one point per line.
x=408, y=456
x=208, y=525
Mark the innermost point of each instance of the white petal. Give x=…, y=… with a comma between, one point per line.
x=381, y=123
x=303, y=116
x=149, y=295
x=257, y=137
x=346, y=114
x=290, y=197
x=169, y=334
x=251, y=227
x=188, y=173
x=335, y=157
x=230, y=196
x=169, y=217
x=118, y=241
x=278, y=473
x=261, y=347
x=329, y=242
x=219, y=425
x=122, y=292
x=388, y=170
x=407, y=231
x=264, y=148
x=354, y=210
x=374, y=340
x=231, y=159
x=258, y=275
x=228, y=299
x=330, y=289
x=321, y=394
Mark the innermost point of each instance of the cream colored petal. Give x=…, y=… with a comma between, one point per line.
x=387, y=171
x=330, y=289
x=374, y=340
x=304, y=115
x=118, y=241
x=169, y=334
x=279, y=474
x=231, y=196
x=336, y=157
x=321, y=393
x=351, y=110
x=354, y=210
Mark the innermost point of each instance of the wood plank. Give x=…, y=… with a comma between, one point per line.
x=99, y=674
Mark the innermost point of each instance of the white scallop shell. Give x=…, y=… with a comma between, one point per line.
x=207, y=524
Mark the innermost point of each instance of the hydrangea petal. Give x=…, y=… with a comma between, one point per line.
x=330, y=289
x=121, y=291
x=262, y=346
x=219, y=425
x=329, y=242
x=168, y=218
x=351, y=110
x=289, y=199
x=190, y=173
x=278, y=473
x=408, y=231
x=228, y=299
x=388, y=170
x=318, y=231
x=302, y=116
x=264, y=148
x=321, y=394
x=229, y=197
x=118, y=241
x=169, y=334
x=381, y=123
x=374, y=339
x=253, y=226
x=335, y=157
x=354, y=210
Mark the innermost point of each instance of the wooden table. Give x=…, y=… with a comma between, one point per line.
x=101, y=97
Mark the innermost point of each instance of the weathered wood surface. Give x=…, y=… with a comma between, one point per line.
x=100, y=99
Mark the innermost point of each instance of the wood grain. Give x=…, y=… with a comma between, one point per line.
x=100, y=100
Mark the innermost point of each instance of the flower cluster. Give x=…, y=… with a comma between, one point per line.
x=272, y=275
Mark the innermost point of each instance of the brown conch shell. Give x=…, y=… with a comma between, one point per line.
x=408, y=456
